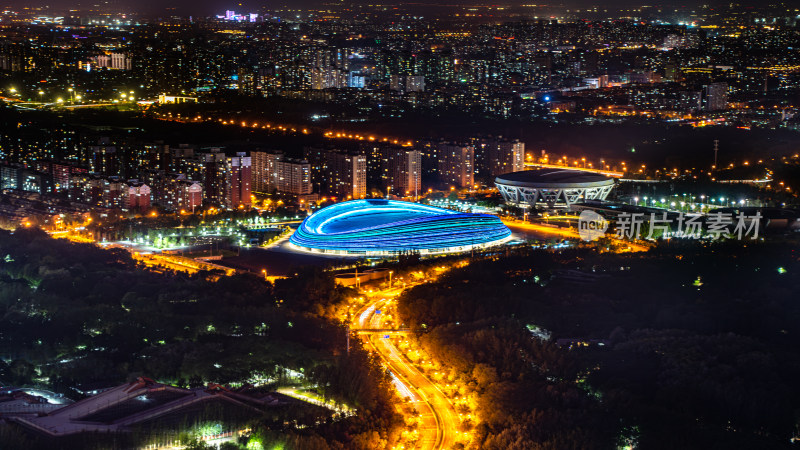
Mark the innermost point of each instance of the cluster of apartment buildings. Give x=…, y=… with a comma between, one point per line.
x=184, y=178
x=115, y=61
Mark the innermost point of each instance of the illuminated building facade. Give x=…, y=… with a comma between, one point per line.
x=553, y=188
x=375, y=227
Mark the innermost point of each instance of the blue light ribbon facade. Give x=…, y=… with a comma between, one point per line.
x=376, y=226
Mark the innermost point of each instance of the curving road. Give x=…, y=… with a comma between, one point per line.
x=439, y=427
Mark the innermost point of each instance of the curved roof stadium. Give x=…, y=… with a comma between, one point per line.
x=385, y=227
x=553, y=187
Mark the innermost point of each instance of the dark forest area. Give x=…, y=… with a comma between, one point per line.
x=687, y=346
x=74, y=315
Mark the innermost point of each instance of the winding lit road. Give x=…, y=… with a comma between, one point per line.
x=439, y=421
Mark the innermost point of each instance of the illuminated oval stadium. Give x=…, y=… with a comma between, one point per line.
x=375, y=227
x=553, y=188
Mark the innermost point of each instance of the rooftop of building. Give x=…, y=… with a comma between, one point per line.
x=554, y=177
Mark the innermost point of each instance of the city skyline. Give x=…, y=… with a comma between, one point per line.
x=425, y=226
x=209, y=7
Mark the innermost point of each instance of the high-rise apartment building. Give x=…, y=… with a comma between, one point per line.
x=117, y=61
x=260, y=162
x=104, y=158
x=173, y=191
x=61, y=173
x=499, y=156
x=120, y=61
x=346, y=175
x=182, y=195
x=400, y=170
x=264, y=170
x=138, y=196
x=294, y=177
x=24, y=179
x=156, y=156
x=86, y=188
x=456, y=164
x=328, y=77
x=411, y=83
x=716, y=96
x=111, y=192
x=689, y=101
x=415, y=83
x=209, y=169
x=274, y=171
x=238, y=175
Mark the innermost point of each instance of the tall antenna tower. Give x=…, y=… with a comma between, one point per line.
x=716, y=150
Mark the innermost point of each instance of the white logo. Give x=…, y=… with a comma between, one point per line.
x=591, y=226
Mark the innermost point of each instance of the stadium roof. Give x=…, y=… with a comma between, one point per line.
x=554, y=178
x=377, y=226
